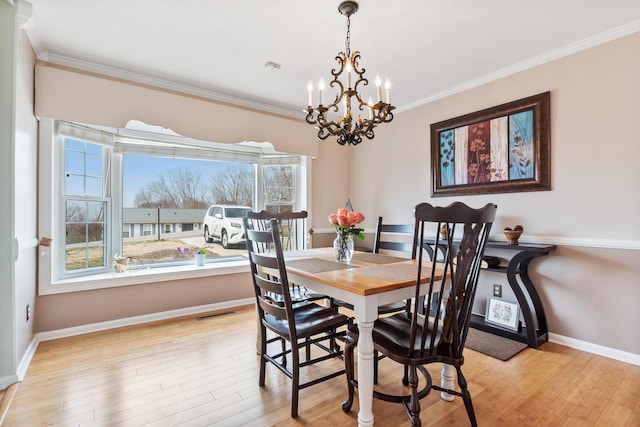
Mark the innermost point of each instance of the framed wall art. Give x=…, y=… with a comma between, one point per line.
x=503, y=313
x=501, y=149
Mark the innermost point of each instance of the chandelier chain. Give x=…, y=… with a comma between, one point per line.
x=347, y=42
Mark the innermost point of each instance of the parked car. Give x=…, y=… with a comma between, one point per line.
x=224, y=223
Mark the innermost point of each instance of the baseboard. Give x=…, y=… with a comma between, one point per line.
x=611, y=353
x=7, y=380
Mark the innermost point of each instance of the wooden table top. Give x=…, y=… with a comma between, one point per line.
x=367, y=274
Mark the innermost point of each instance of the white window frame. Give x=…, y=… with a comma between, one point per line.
x=51, y=208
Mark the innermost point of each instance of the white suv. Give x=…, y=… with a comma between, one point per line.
x=224, y=223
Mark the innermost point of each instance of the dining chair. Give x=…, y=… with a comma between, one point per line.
x=415, y=340
x=301, y=325
x=292, y=228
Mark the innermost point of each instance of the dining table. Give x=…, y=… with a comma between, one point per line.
x=367, y=281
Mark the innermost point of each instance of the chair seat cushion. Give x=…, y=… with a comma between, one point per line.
x=391, y=335
x=310, y=319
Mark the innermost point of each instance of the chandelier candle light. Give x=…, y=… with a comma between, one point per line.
x=345, y=127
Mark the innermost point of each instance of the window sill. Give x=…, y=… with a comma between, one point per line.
x=145, y=275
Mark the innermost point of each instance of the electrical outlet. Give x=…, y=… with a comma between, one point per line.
x=28, y=312
x=497, y=290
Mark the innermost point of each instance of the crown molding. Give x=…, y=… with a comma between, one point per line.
x=607, y=36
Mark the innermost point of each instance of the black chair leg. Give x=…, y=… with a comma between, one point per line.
x=350, y=374
x=414, y=402
x=263, y=361
x=375, y=366
x=295, y=380
x=466, y=397
x=405, y=378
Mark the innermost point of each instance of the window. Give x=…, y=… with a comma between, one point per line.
x=280, y=188
x=85, y=205
x=141, y=196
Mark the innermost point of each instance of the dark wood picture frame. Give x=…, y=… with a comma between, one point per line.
x=501, y=149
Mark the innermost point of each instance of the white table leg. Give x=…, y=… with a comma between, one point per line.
x=448, y=375
x=365, y=374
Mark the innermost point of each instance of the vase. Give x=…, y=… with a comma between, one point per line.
x=200, y=258
x=121, y=265
x=343, y=248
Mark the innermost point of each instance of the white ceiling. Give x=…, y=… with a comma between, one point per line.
x=219, y=49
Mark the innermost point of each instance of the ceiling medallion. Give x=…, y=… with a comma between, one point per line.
x=349, y=130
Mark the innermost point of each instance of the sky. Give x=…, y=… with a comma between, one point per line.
x=140, y=170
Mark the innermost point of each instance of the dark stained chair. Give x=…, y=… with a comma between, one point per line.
x=405, y=242
x=416, y=340
x=292, y=228
x=301, y=325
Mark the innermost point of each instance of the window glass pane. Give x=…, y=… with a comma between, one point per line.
x=73, y=144
x=93, y=187
x=84, y=234
x=279, y=184
x=93, y=165
x=76, y=211
x=74, y=162
x=81, y=258
x=95, y=232
x=74, y=185
x=94, y=149
x=172, y=195
x=83, y=167
x=76, y=233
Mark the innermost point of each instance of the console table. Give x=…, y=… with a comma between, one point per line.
x=534, y=331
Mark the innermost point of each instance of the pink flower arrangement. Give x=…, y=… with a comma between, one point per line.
x=345, y=222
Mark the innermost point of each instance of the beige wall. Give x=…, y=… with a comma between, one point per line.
x=590, y=284
x=68, y=310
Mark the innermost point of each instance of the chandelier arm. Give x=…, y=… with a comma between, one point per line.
x=347, y=128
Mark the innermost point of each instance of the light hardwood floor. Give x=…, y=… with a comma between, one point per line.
x=204, y=372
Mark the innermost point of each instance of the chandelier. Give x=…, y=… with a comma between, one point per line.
x=349, y=101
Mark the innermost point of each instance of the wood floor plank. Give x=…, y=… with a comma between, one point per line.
x=191, y=372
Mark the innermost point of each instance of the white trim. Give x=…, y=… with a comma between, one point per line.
x=7, y=380
x=611, y=353
x=632, y=245
x=27, y=357
x=570, y=49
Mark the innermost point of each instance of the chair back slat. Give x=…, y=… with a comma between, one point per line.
x=449, y=300
x=292, y=227
x=268, y=271
x=382, y=239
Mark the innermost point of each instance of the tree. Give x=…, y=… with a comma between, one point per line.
x=279, y=181
x=180, y=188
x=233, y=186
